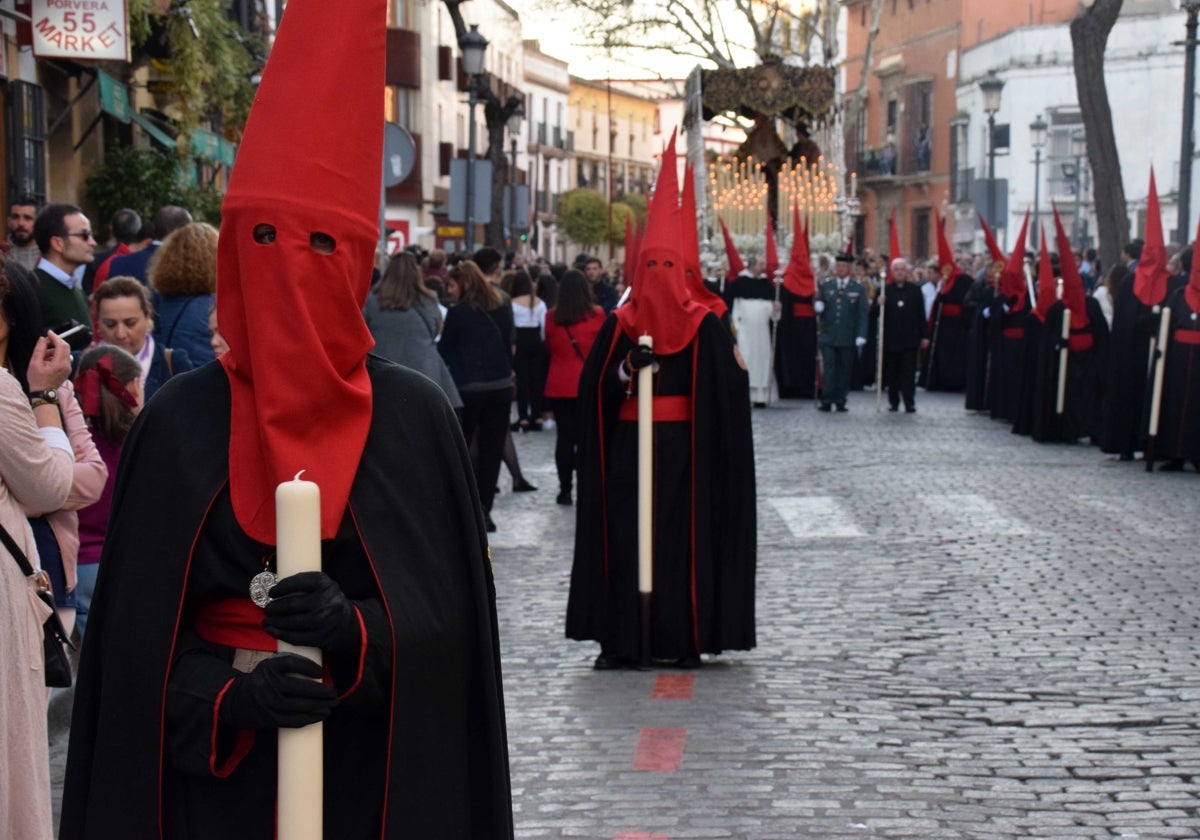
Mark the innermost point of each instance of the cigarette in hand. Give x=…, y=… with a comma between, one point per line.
x=71, y=332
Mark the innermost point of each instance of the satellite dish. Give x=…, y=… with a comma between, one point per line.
x=399, y=154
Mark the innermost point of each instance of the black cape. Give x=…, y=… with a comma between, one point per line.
x=1022, y=416
x=976, y=386
x=418, y=749
x=1007, y=360
x=1084, y=390
x=796, y=347
x=1179, y=421
x=705, y=540
x=946, y=363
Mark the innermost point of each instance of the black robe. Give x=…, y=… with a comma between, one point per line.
x=980, y=297
x=1179, y=417
x=705, y=540
x=796, y=347
x=417, y=749
x=1022, y=417
x=1007, y=358
x=1084, y=391
x=945, y=366
x=1134, y=325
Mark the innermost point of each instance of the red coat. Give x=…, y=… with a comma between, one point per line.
x=562, y=382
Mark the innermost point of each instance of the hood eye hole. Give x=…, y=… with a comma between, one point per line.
x=322, y=243
x=668, y=264
x=651, y=263
x=264, y=234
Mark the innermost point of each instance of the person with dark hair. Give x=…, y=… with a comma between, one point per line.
x=183, y=275
x=166, y=221
x=602, y=291
x=109, y=390
x=124, y=228
x=571, y=329
x=1131, y=254
x=64, y=236
x=404, y=319
x=475, y=343
x=125, y=316
x=529, y=360
x=490, y=263
x=20, y=247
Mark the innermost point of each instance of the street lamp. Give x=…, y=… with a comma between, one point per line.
x=1184, y=233
x=1037, y=137
x=473, y=46
x=1078, y=150
x=991, y=88
x=514, y=131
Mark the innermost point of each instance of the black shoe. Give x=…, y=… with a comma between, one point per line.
x=488, y=524
x=608, y=662
x=893, y=408
x=842, y=407
x=564, y=498
x=523, y=486
x=910, y=409
x=515, y=427
x=535, y=426
x=689, y=662
x=1172, y=466
x=1126, y=456
x=824, y=407
x=760, y=405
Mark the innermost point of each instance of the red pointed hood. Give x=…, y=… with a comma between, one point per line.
x=1012, y=281
x=1074, y=295
x=1192, y=290
x=946, y=265
x=998, y=258
x=893, y=246
x=772, y=255
x=1150, y=276
x=659, y=305
x=798, y=278
x=281, y=301
x=736, y=266
x=690, y=238
x=1047, y=285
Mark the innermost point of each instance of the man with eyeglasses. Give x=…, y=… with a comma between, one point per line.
x=64, y=236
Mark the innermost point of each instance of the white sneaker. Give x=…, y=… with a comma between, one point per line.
x=548, y=425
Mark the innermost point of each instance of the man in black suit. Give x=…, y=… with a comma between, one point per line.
x=904, y=328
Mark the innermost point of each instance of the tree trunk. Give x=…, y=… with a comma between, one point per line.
x=1089, y=36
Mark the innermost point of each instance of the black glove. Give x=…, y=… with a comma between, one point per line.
x=640, y=357
x=310, y=609
x=277, y=694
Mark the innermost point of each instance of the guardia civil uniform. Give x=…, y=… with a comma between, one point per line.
x=843, y=327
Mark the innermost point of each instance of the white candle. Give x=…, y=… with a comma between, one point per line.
x=646, y=473
x=301, y=751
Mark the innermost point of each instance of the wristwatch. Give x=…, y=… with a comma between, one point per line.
x=47, y=397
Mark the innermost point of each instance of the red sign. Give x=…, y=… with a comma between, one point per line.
x=397, y=236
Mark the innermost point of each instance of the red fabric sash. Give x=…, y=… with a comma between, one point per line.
x=1078, y=342
x=1187, y=336
x=951, y=310
x=236, y=623
x=666, y=409
x=1013, y=332
x=802, y=310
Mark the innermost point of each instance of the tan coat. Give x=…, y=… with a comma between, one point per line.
x=36, y=475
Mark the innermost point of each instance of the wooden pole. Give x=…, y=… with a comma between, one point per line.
x=1160, y=362
x=301, y=781
x=646, y=496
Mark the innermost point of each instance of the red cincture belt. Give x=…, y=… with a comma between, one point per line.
x=666, y=409
x=802, y=310
x=1187, y=336
x=951, y=310
x=1013, y=332
x=1079, y=343
x=235, y=623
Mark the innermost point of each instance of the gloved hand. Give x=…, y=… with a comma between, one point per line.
x=819, y=306
x=987, y=312
x=278, y=694
x=310, y=609
x=639, y=357
x=860, y=342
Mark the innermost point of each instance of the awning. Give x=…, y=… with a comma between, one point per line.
x=157, y=134
x=210, y=146
x=114, y=97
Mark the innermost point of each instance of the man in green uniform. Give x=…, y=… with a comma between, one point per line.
x=64, y=236
x=841, y=307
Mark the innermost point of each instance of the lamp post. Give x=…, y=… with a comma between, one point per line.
x=1037, y=138
x=1078, y=150
x=991, y=88
x=473, y=46
x=1184, y=234
x=514, y=131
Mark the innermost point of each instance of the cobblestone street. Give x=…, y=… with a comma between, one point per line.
x=962, y=634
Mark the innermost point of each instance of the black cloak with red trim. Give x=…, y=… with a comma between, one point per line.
x=705, y=541
x=417, y=746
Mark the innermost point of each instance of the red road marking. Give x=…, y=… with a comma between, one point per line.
x=638, y=835
x=659, y=750
x=673, y=687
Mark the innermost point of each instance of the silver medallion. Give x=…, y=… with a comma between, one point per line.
x=260, y=588
x=1193, y=316
x=900, y=303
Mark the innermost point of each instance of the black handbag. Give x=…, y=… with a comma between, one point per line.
x=57, y=664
